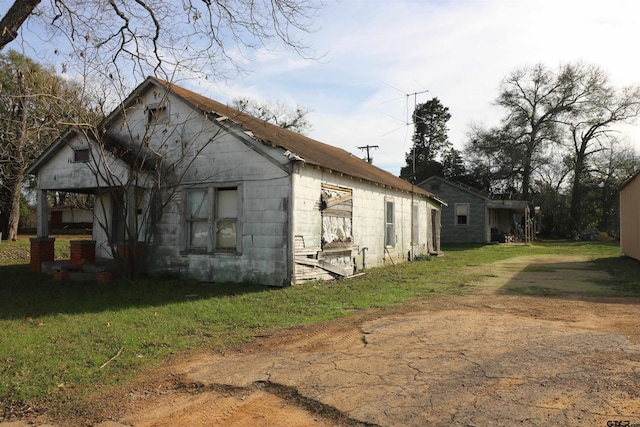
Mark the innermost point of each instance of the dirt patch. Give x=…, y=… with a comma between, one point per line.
x=491, y=358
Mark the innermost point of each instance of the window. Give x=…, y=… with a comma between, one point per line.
x=81, y=155
x=462, y=213
x=389, y=229
x=212, y=219
x=415, y=225
x=226, y=218
x=197, y=219
x=157, y=114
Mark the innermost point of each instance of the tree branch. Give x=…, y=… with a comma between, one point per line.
x=14, y=18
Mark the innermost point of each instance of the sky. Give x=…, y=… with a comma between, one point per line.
x=378, y=54
x=377, y=58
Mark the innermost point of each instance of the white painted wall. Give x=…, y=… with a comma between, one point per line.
x=62, y=173
x=102, y=216
x=207, y=155
x=368, y=215
x=77, y=215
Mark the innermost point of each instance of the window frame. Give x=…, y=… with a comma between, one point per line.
x=389, y=237
x=217, y=219
x=152, y=114
x=415, y=224
x=190, y=222
x=457, y=216
x=81, y=155
x=212, y=219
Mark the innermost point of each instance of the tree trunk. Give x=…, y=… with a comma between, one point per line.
x=526, y=174
x=574, y=210
x=576, y=191
x=14, y=205
x=18, y=166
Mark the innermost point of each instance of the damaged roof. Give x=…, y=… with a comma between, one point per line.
x=296, y=146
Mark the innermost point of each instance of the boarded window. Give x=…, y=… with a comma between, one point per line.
x=462, y=213
x=337, y=208
x=226, y=218
x=389, y=229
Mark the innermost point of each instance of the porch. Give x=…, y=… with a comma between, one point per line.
x=82, y=265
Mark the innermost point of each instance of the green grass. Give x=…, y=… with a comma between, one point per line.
x=56, y=336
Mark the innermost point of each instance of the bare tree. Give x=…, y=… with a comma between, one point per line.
x=35, y=106
x=210, y=37
x=290, y=118
x=590, y=129
x=612, y=166
x=141, y=162
x=535, y=100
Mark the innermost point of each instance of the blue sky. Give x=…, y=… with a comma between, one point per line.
x=377, y=52
x=374, y=53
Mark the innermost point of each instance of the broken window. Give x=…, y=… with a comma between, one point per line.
x=337, y=207
x=157, y=114
x=462, y=213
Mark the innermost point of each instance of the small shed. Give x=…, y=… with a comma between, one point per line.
x=630, y=216
x=472, y=217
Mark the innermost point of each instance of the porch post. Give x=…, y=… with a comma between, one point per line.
x=42, y=207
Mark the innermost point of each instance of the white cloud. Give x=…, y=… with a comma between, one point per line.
x=374, y=52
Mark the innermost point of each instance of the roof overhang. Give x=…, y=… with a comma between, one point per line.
x=514, y=205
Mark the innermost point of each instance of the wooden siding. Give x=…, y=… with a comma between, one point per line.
x=451, y=233
x=630, y=218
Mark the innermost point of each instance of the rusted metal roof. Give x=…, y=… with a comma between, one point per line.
x=297, y=147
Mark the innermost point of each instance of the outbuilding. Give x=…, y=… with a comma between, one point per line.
x=473, y=217
x=630, y=216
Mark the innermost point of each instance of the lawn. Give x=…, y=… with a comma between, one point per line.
x=61, y=338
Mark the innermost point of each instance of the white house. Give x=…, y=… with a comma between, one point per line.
x=215, y=194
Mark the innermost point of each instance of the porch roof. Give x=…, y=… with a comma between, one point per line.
x=514, y=205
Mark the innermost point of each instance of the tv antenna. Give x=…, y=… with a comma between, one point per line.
x=413, y=122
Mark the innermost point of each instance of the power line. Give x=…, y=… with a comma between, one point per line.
x=368, y=147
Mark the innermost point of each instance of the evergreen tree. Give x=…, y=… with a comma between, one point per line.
x=430, y=141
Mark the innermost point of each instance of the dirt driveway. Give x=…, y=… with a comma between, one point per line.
x=488, y=359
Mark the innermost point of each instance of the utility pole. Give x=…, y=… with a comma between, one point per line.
x=368, y=147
